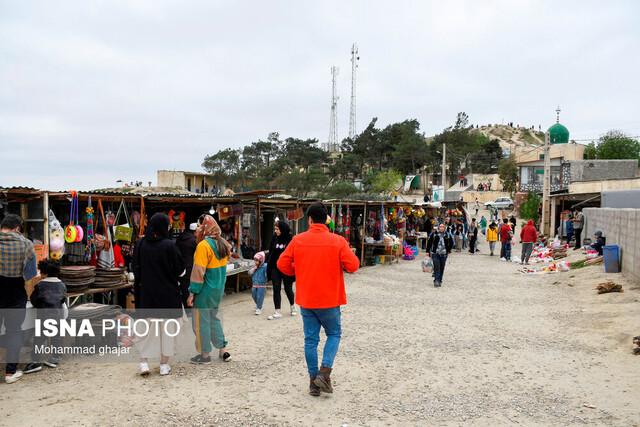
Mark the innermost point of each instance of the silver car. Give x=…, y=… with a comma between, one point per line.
x=500, y=203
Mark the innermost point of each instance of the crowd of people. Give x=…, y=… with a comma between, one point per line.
x=173, y=274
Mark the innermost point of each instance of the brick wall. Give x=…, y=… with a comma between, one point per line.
x=621, y=227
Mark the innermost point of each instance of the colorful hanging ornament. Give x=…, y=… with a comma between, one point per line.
x=56, y=238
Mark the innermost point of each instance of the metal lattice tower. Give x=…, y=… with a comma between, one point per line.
x=352, y=113
x=332, y=145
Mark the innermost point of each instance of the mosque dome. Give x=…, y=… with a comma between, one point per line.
x=558, y=133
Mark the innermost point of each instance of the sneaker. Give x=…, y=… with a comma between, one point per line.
x=12, y=378
x=32, y=367
x=165, y=369
x=200, y=360
x=144, y=369
x=226, y=357
x=52, y=363
x=293, y=310
x=258, y=312
x=275, y=315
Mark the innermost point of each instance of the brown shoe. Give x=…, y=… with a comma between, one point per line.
x=314, y=390
x=323, y=380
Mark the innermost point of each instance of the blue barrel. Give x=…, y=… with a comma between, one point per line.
x=611, y=255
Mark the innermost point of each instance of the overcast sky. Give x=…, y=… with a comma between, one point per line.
x=96, y=91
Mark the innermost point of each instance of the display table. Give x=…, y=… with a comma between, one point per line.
x=109, y=294
x=371, y=250
x=236, y=272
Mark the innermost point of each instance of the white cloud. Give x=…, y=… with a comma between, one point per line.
x=143, y=85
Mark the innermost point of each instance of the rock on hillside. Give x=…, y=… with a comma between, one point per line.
x=512, y=136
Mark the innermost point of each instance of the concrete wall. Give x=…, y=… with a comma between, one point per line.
x=570, y=151
x=596, y=170
x=483, y=196
x=600, y=186
x=620, y=227
x=171, y=179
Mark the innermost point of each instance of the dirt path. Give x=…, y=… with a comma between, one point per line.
x=492, y=347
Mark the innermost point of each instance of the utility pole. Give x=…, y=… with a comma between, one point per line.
x=352, y=113
x=444, y=172
x=546, y=189
x=332, y=145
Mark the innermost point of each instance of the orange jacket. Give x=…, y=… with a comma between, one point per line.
x=317, y=259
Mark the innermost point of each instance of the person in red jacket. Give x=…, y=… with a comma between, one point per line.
x=528, y=236
x=317, y=258
x=505, y=239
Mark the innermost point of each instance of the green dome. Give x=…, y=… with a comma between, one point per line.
x=558, y=134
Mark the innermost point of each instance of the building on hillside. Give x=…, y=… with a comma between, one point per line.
x=196, y=182
x=530, y=161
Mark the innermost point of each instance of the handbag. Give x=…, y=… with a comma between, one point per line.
x=123, y=232
x=105, y=257
x=427, y=265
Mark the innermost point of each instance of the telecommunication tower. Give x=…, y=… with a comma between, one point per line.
x=352, y=113
x=332, y=145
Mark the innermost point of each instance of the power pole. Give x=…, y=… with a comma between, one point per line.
x=444, y=172
x=352, y=113
x=332, y=145
x=546, y=188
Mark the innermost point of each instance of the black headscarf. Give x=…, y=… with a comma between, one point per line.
x=285, y=233
x=158, y=227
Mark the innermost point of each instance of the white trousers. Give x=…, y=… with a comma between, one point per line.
x=160, y=344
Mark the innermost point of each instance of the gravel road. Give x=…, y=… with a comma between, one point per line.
x=491, y=347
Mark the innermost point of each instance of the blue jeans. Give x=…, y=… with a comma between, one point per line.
x=505, y=250
x=258, y=296
x=313, y=319
x=439, y=261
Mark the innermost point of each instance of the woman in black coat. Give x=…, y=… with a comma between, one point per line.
x=158, y=266
x=279, y=242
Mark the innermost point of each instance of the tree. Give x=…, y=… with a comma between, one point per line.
x=224, y=165
x=385, y=181
x=508, y=172
x=530, y=208
x=340, y=190
x=614, y=145
x=409, y=147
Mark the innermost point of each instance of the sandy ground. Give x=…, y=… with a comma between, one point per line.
x=492, y=347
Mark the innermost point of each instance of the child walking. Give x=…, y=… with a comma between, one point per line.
x=259, y=279
x=48, y=297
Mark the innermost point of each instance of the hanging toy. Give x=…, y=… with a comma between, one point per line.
x=347, y=228
x=90, y=248
x=73, y=233
x=56, y=238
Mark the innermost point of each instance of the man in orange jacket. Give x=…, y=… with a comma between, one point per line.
x=317, y=258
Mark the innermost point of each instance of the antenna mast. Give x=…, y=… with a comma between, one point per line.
x=352, y=114
x=332, y=145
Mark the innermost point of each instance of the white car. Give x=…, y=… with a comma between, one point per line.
x=500, y=203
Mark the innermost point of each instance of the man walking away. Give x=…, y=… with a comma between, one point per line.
x=17, y=265
x=528, y=237
x=578, y=223
x=473, y=236
x=317, y=258
x=439, y=246
x=505, y=239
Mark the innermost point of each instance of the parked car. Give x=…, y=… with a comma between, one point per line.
x=500, y=203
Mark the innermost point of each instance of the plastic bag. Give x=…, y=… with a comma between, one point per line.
x=427, y=265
